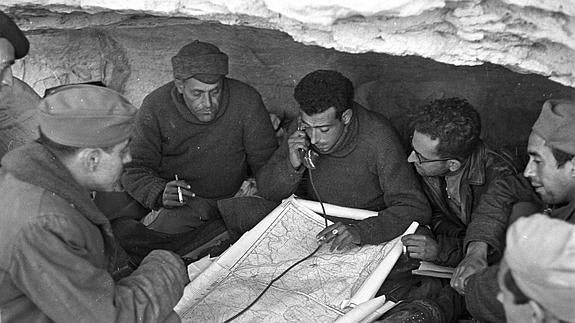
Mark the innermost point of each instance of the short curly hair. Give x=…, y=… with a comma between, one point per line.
x=322, y=89
x=454, y=122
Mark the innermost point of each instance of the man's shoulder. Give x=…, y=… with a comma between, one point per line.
x=499, y=160
x=371, y=120
x=32, y=208
x=239, y=89
x=375, y=127
x=30, y=201
x=24, y=88
x=20, y=92
x=161, y=95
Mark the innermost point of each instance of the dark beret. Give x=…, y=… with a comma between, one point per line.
x=556, y=124
x=10, y=31
x=199, y=58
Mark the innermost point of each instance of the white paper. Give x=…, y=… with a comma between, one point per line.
x=338, y=211
x=311, y=292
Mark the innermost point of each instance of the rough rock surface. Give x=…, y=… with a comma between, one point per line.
x=526, y=35
x=399, y=53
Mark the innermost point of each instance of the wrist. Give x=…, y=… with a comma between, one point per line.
x=356, y=238
x=477, y=249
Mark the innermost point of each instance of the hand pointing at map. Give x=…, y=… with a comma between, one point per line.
x=342, y=236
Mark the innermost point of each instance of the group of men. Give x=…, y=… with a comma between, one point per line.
x=74, y=247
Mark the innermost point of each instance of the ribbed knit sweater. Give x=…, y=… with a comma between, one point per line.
x=368, y=169
x=212, y=157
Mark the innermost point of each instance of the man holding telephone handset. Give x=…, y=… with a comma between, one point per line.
x=360, y=163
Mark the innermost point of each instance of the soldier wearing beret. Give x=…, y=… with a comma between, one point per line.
x=546, y=185
x=537, y=275
x=209, y=131
x=18, y=101
x=57, y=248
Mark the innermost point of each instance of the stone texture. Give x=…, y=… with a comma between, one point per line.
x=130, y=50
x=533, y=36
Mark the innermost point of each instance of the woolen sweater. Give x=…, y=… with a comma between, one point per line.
x=367, y=169
x=212, y=157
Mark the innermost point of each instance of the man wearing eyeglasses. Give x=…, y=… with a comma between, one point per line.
x=455, y=167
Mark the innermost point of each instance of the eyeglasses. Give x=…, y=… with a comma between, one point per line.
x=423, y=160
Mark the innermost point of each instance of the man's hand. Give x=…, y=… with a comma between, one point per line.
x=474, y=261
x=420, y=246
x=342, y=236
x=298, y=140
x=171, y=197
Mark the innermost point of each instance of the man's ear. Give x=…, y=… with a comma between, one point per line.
x=90, y=158
x=179, y=85
x=346, y=116
x=572, y=167
x=453, y=165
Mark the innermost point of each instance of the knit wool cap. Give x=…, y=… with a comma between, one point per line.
x=541, y=256
x=556, y=124
x=10, y=31
x=86, y=116
x=199, y=58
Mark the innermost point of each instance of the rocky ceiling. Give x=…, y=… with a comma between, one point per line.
x=504, y=56
x=535, y=36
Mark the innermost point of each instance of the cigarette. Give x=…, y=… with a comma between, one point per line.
x=180, y=196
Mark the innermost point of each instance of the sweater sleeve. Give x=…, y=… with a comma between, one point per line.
x=277, y=179
x=259, y=137
x=65, y=285
x=404, y=200
x=140, y=177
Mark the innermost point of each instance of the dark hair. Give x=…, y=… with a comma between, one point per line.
x=454, y=122
x=322, y=89
x=561, y=157
x=63, y=150
x=519, y=297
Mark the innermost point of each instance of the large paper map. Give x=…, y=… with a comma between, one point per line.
x=313, y=291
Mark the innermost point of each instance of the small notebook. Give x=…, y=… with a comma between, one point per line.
x=433, y=270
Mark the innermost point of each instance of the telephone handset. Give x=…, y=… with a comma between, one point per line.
x=309, y=157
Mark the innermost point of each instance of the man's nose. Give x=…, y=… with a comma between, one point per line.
x=127, y=158
x=313, y=137
x=6, y=77
x=207, y=100
x=529, y=172
x=412, y=158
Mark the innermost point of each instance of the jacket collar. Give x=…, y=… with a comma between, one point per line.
x=34, y=163
x=474, y=168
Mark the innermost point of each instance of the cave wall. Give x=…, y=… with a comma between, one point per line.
x=131, y=53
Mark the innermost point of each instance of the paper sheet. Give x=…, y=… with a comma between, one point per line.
x=311, y=292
